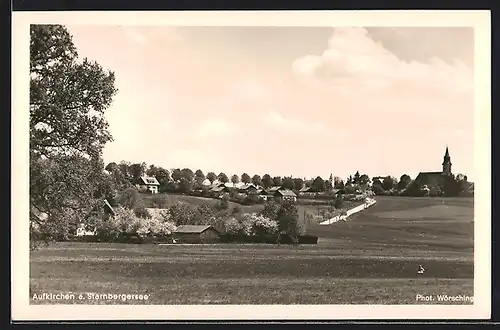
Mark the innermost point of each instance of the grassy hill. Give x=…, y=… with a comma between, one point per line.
x=431, y=223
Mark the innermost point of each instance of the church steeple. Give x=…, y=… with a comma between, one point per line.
x=446, y=162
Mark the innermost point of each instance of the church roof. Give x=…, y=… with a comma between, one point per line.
x=430, y=178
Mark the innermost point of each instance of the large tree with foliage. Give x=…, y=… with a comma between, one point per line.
x=289, y=221
x=199, y=176
x=404, y=181
x=267, y=181
x=222, y=177
x=288, y=183
x=298, y=183
x=68, y=130
x=257, y=180
x=235, y=179
x=318, y=184
x=211, y=176
x=245, y=178
x=137, y=170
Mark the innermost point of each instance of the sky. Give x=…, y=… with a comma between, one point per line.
x=288, y=101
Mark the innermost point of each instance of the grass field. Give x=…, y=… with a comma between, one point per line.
x=370, y=259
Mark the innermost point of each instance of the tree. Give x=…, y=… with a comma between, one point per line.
x=339, y=202
x=328, y=186
x=377, y=187
x=222, y=204
x=404, y=181
x=257, y=180
x=222, y=177
x=185, y=185
x=69, y=190
x=68, y=98
x=277, y=181
x=318, y=184
x=364, y=180
x=129, y=198
x=288, y=221
x=330, y=179
x=270, y=210
x=176, y=175
x=288, y=183
x=67, y=131
x=245, y=178
x=355, y=180
x=116, y=173
x=125, y=169
x=349, y=181
x=187, y=174
x=298, y=183
x=235, y=179
x=338, y=183
x=137, y=170
x=267, y=181
x=199, y=176
x=388, y=183
x=211, y=177
x=163, y=177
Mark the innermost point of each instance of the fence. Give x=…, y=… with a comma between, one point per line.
x=368, y=202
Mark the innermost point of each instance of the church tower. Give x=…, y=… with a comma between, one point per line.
x=446, y=163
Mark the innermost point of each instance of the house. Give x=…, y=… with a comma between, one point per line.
x=307, y=191
x=196, y=234
x=148, y=184
x=220, y=191
x=274, y=189
x=248, y=189
x=217, y=185
x=285, y=195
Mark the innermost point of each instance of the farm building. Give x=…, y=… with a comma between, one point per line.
x=220, y=191
x=196, y=234
x=217, y=185
x=274, y=189
x=148, y=184
x=307, y=191
x=248, y=189
x=285, y=195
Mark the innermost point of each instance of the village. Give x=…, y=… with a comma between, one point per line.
x=143, y=179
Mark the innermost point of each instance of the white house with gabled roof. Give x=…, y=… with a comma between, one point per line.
x=148, y=184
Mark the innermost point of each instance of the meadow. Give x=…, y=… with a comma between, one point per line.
x=370, y=259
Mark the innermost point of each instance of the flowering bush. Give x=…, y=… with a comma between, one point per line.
x=231, y=226
x=265, y=225
x=125, y=221
x=182, y=213
x=155, y=226
x=247, y=222
x=257, y=224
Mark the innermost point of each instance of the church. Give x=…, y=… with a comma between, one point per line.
x=432, y=179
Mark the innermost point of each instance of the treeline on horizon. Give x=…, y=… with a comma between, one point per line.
x=186, y=180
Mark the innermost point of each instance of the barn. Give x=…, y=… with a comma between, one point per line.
x=196, y=234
